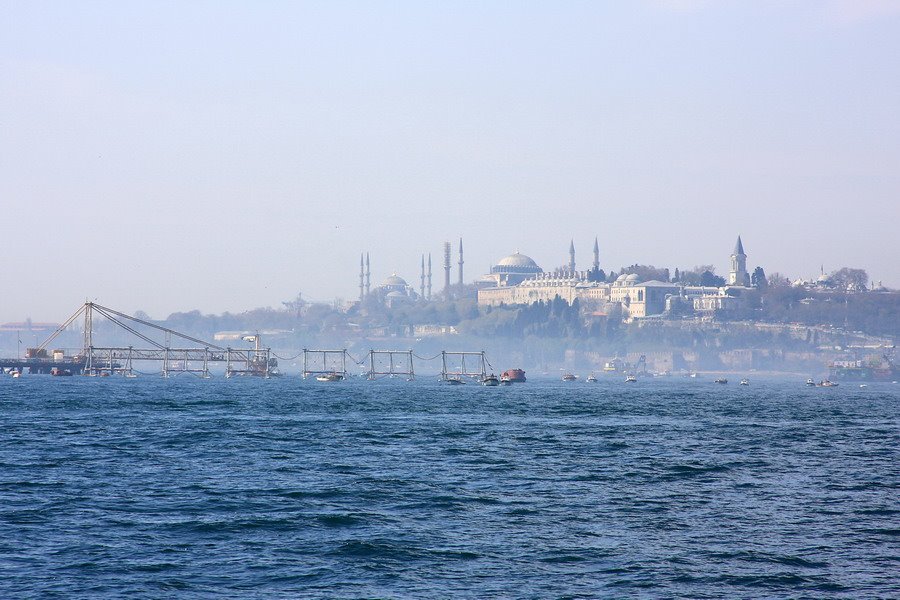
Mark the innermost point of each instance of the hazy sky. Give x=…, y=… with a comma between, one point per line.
x=167, y=156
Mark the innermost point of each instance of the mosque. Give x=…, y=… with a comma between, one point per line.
x=518, y=279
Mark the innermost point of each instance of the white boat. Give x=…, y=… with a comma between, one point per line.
x=454, y=381
x=591, y=379
x=745, y=381
x=490, y=381
x=721, y=380
x=810, y=382
x=631, y=379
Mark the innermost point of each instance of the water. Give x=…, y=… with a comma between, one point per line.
x=290, y=488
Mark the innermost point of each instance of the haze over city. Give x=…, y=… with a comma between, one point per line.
x=224, y=156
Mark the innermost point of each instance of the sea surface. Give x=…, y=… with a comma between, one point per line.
x=251, y=488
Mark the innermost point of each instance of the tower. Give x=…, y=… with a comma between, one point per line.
x=422, y=279
x=738, y=274
x=368, y=275
x=429, y=275
x=362, y=278
x=460, y=262
x=596, y=256
x=447, y=269
x=572, y=256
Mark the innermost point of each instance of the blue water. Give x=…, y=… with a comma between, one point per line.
x=289, y=488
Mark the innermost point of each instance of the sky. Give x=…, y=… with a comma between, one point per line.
x=223, y=156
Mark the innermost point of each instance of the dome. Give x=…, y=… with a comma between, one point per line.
x=393, y=280
x=632, y=277
x=394, y=295
x=518, y=260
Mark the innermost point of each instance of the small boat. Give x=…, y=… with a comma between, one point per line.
x=454, y=381
x=569, y=377
x=863, y=385
x=721, y=380
x=810, y=382
x=745, y=381
x=591, y=378
x=631, y=379
x=330, y=377
x=827, y=383
x=490, y=381
x=59, y=372
x=505, y=380
x=16, y=373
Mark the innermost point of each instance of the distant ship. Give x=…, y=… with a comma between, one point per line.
x=514, y=375
x=334, y=376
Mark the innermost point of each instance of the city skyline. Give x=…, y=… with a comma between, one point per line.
x=166, y=158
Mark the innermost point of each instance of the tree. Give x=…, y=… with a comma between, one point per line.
x=647, y=272
x=758, y=279
x=846, y=278
x=710, y=279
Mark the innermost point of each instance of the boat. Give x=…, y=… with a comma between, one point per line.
x=745, y=381
x=863, y=385
x=591, y=378
x=454, y=381
x=631, y=379
x=721, y=380
x=505, y=380
x=16, y=373
x=60, y=372
x=810, y=382
x=334, y=376
x=827, y=383
x=490, y=381
x=514, y=375
x=569, y=377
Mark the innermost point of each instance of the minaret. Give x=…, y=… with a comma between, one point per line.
x=460, y=262
x=572, y=256
x=368, y=275
x=429, y=275
x=596, y=256
x=422, y=279
x=447, y=269
x=362, y=278
x=738, y=274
